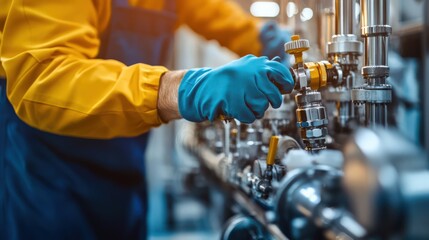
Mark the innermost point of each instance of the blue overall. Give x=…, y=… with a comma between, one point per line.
x=56, y=187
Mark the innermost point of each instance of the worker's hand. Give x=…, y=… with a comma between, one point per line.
x=241, y=89
x=273, y=39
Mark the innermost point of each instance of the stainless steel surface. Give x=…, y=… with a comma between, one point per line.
x=375, y=72
x=375, y=30
x=312, y=120
x=374, y=12
x=373, y=95
x=337, y=94
x=344, y=17
x=396, y=173
x=381, y=179
x=213, y=162
x=376, y=50
x=345, y=113
x=303, y=192
x=326, y=27
x=344, y=50
x=376, y=114
x=345, y=44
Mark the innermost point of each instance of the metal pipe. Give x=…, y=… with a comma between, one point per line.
x=344, y=49
x=376, y=31
x=376, y=51
x=378, y=114
x=376, y=94
x=344, y=17
x=326, y=24
x=374, y=12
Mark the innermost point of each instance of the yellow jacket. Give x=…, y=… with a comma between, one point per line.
x=55, y=84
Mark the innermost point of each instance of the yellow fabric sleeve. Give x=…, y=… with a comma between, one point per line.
x=53, y=81
x=224, y=21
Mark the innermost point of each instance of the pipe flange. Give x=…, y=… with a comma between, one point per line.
x=345, y=44
x=308, y=97
x=375, y=71
x=377, y=30
x=337, y=95
x=378, y=87
x=373, y=96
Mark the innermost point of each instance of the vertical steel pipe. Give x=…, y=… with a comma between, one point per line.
x=344, y=17
x=376, y=31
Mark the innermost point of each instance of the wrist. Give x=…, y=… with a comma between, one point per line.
x=167, y=103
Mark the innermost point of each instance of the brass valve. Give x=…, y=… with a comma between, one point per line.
x=309, y=74
x=318, y=73
x=311, y=115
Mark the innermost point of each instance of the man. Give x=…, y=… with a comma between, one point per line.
x=82, y=85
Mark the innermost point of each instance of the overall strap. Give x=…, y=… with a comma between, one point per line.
x=169, y=5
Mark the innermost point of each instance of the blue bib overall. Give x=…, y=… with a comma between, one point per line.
x=56, y=187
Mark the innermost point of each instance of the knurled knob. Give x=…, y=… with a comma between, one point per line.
x=297, y=45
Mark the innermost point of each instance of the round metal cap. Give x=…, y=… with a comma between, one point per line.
x=303, y=44
x=308, y=97
x=345, y=44
x=375, y=71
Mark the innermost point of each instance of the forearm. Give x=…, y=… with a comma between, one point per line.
x=83, y=97
x=168, y=95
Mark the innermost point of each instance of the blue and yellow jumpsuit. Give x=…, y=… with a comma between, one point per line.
x=78, y=91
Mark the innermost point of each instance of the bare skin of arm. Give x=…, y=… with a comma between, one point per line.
x=168, y=95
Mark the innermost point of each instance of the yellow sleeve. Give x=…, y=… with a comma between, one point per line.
x=224, y=21
x=55, y=84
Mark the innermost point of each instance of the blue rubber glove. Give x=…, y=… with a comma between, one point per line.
x=241, y=89
x=273, y=39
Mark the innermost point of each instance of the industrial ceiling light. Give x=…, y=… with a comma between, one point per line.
x=306, y=14
x=291, y=9
x=264, y=9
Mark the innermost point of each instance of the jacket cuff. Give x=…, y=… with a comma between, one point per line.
x=150, y=79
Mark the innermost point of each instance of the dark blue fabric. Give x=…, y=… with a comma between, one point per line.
x=56, y=187
x=135, y=33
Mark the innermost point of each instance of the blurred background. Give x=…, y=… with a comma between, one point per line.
x=182, y=204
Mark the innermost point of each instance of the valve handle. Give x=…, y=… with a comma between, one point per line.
x=272, y=150
x=296, y=47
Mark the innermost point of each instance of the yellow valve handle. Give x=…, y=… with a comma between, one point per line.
x=297, y=51
x=272, y=150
